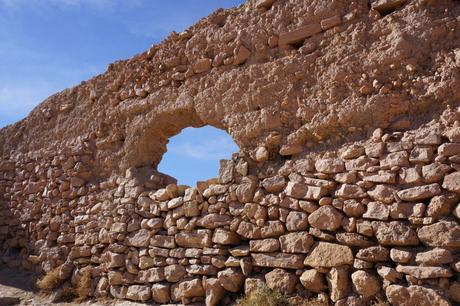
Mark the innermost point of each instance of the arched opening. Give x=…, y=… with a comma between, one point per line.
x=194, y=154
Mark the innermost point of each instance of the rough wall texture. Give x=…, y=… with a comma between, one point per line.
x=347, y=183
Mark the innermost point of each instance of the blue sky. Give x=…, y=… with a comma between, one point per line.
x=49, y=45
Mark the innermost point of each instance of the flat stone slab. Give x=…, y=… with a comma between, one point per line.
x=278, y=260
x=420, y=192
x=329, y=255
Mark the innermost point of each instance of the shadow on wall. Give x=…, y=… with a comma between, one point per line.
x=13, y=236
x=194, y=154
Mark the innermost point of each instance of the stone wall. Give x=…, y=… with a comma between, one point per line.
x=375, y=218
x=348, y=199
x=288, y=75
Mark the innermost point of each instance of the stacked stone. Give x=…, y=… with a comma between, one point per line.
x=379, y=218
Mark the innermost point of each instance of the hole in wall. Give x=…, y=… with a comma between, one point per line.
x=194, y=154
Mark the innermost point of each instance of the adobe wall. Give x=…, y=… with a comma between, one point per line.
x=347, y=184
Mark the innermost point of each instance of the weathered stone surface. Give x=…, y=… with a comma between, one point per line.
x=382, y=178
x=419, y=193
x=382, y=193
x=281, y=280
x=338, y=283
x=226, y=172
x=212, y=221
x=325, y=254
x=187, y=289
x=384, y=6
x=274, y=184
x=353, y=239
x=196, y=239
x=272, y=229
x=264, y=3
x=326, y=218
x=239, y=251
x=407, y=210
x=348, y=191
x=377, y=211
x=353, y=208
x=424, y=272
x=139, y=293
x=400, y=256
x=297, y=221
x=140, y=238
x=441, y=206
x=214, y=291
x=453, y=134
x=248, y=230
x=246, y=189
x=214, y=189
x=452, y=182
x=202, y=65
x=115, y=260
x=160, y=293
x=278, y=260
x=414, y=295
x=449, y=149
x=365, y=284
x=437, y=256
x=395, y=234
x=440, y=234
x=299, y=242
x=389, y=274
x=325, y=25
x=299, y=34
x=264, y=245
x=313, y=281
x=222, y=236
x=253, y=283
x=241, y=55
x=374, y=254
x=302, y=191
x=433, y=173
x=400, y=159
x=163, y=241
x=231, y=279
x=152, y=275
x=174, y=273
x=319, y=183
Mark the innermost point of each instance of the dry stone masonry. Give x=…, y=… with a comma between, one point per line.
x=347, y=185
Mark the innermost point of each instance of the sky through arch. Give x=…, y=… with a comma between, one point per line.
x=194, y=154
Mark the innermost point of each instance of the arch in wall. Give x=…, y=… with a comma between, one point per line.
x=193, y=155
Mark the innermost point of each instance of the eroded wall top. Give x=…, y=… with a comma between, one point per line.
x=284, y=75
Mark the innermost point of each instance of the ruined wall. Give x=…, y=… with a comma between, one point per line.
x=347, y=184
